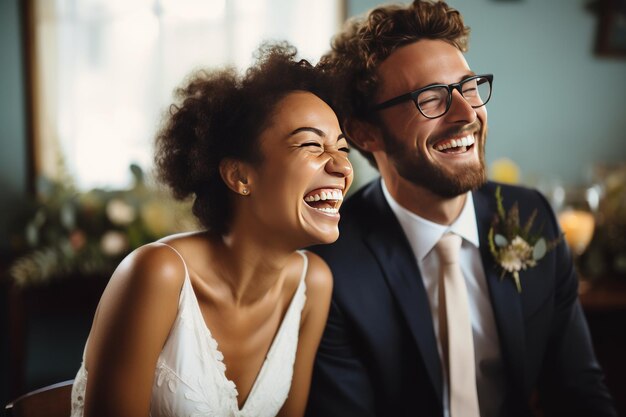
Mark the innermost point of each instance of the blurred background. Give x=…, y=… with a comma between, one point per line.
x=84, y=84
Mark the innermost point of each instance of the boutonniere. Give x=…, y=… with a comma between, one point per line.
x=514, y=247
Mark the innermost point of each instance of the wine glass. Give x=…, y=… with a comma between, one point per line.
x=577, y=216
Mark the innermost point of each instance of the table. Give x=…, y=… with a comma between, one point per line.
x=604, y=303
x=71, y=295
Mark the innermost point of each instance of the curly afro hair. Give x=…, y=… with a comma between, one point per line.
x=221, y=114
x=367, y=41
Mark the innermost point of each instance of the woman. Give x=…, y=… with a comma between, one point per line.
x=226, y=322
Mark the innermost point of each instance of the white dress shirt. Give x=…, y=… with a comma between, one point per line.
x=423, y=235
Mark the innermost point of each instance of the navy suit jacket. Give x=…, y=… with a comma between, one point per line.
x=378, y=355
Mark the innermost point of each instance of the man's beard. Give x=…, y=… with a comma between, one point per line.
x=414, y=167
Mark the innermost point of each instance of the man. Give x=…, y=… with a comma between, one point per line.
x=413, y=331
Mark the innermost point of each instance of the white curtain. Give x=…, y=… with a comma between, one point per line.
x=105, y=70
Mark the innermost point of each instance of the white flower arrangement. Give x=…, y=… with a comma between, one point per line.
x=515, y=248
x=88, y=233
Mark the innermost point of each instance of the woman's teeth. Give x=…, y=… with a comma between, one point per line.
x=325, y=195
x=327, y=210
x=327, y=201
x=455, y=143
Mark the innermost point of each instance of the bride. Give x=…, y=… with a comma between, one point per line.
x=226, y=321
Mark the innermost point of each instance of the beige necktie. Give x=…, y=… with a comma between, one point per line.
x=455, y=330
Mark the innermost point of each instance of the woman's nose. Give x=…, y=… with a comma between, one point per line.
x=338, y=164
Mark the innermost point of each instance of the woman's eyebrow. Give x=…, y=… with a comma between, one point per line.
x=309, y=129
x=316, y=131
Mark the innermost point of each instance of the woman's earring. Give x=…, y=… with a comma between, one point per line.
x=245, y=191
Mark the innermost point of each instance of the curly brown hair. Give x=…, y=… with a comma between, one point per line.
x=368, y=40
x=221, y=114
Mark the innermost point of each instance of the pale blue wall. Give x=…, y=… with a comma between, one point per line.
x=12, y=149
x=12, y=125
x=556, y=108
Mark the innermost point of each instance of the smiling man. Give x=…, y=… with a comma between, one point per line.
x=428, y=317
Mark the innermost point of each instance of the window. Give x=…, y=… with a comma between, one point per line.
x=104, y=70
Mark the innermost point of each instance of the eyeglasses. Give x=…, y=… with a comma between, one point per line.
x=434, y=100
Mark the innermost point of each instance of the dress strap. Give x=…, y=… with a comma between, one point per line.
x=186, y=291
x=179, y=255
x=305, y=267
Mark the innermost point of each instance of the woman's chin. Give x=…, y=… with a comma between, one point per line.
x=325, y=237
x=322, y=228
x=330, y=238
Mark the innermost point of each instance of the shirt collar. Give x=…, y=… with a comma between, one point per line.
x=423, y=234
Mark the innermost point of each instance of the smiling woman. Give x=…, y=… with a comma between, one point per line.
x=296, y=167
x=101, y=71
x=226, y=321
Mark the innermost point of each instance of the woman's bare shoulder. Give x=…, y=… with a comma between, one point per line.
x=152, y=265
x=319, y=281
x=318, y=273
x=137, y=308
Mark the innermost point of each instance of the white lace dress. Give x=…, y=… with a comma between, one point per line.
x=190, y=377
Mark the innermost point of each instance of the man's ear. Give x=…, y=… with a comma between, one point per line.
x=366, y=136
x=237, y=175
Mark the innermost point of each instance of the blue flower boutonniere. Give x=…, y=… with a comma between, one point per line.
x=514, y=247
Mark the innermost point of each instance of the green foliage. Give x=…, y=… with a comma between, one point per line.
x=67, y=232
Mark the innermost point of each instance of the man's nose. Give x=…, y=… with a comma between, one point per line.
x=460, y=109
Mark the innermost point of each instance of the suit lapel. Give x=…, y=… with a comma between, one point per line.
x=505, y=299
x=405, y=280
x=390, y=246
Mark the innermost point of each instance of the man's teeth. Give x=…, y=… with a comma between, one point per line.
x=456, y=143
x=325, y=195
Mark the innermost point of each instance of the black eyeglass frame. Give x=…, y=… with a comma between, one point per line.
x=454, y=86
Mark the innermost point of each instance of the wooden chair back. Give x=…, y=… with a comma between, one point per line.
x=51, y=401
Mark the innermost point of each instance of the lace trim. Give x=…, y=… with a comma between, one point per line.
x=207, y=398
x=227, y=387
x=280, y=374
x=78, y=392
x=212, y=393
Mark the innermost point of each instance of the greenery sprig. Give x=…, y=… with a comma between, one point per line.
x=516, y=247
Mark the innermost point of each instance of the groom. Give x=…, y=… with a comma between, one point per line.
x=431, y=314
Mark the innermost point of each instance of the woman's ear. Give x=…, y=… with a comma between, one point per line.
x=237, y=175
x=366, y=136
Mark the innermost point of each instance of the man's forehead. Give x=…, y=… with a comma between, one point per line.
x=423, y=62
